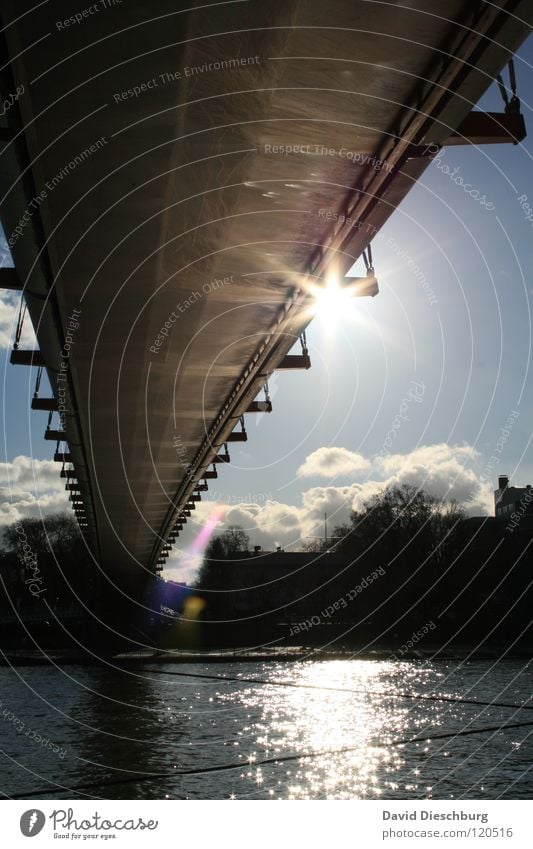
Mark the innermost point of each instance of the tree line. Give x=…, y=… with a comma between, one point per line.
x=44, y=559
x=453, y=578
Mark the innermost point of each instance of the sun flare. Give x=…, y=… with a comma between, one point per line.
x=331, y=301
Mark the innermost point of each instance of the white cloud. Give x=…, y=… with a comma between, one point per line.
x=444, y=471
x=29, y=488
x=441, y=471
x=22, y=471
x=332, y=462
x=9, y=310
x=335, y=501
x=273, y=522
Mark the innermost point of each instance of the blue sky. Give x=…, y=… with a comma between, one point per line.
x=466, y=346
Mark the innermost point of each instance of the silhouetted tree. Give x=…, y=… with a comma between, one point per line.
x=402, y=521
x=216, y=550
x=410, y=535
x=316, y=545
x=52, y=552
x=233, y=541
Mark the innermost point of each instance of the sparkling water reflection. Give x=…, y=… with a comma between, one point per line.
x=343, y=719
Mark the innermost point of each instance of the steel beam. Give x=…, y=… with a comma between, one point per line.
x=238, y=436
x=48, y=404
x=55, y=435
x=489, y=128
x=259, y=407
x=295, y=361
x=9, y=279
x=26, y=358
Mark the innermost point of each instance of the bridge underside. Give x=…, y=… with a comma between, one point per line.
x=176, y=167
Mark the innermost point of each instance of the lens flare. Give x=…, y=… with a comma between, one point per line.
x=331, y=301
x=200, y=542
x=190, y=558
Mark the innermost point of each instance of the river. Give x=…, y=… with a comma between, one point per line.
x=105, y=730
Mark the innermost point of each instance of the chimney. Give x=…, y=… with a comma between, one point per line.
x=503, y=482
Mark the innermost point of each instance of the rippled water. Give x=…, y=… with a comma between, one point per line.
x=105, y=723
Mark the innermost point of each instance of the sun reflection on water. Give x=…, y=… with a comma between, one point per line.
x=306, y=721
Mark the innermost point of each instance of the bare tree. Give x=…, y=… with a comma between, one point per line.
x=233, y=541
x=52, y=553
x=402, y=520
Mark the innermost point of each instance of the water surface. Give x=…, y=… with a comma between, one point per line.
x=62, y=727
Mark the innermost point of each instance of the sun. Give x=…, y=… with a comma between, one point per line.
x=331, y=301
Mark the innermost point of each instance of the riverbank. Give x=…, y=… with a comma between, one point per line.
x=239, y=655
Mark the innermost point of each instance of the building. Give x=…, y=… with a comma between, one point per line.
x=509, y=500
x=278, y=583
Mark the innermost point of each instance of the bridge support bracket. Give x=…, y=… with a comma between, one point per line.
x=26, y=358
x=295, y=361
x=48, y=404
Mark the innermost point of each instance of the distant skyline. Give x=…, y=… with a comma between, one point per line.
x=428, y=383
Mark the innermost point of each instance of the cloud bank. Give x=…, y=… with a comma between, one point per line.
x=332, y=462
x=33, y=487
x=9, y=310
x=444, y=471
x=29, y=488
